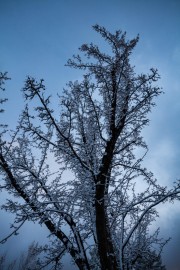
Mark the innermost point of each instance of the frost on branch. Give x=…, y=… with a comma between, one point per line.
x=98, y=215
x=3, y=78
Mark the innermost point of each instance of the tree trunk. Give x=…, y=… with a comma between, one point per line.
x=106, y=252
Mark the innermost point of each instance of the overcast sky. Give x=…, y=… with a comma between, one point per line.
x=38, y=37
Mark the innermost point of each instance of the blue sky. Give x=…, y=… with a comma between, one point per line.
x=38, y=37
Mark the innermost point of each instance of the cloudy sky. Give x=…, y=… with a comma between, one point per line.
x=37, y=38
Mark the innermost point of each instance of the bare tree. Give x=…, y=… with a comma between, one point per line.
x=102, y=213
x=29, y=260
x=5, y=265
x=3, y=78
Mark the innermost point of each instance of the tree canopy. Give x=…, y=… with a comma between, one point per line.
x=102, y=213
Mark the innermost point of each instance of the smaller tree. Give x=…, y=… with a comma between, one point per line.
x=5, y=265
x=29, y=260
x=3, y=78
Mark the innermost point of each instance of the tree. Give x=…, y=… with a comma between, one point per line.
x=101, y=215
x=3, y=78
x=3, y=265
x=28, y=260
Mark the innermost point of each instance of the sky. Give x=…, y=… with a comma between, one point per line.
x=37, y=39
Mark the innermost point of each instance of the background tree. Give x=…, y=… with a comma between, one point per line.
x=101, y=215
x=27, y=260
x=4, y=265
x=3, y=78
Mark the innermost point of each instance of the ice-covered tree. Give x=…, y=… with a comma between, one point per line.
x=29, y=260
x=3, y=78
x=102, y=213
